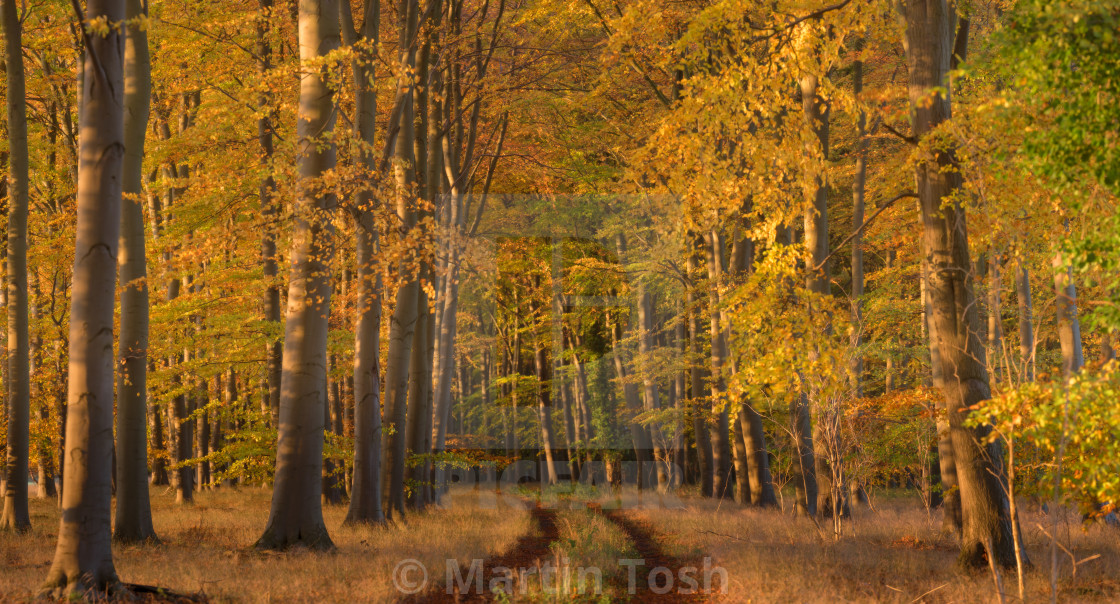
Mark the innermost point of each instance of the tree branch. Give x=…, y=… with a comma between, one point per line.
x=865, y=224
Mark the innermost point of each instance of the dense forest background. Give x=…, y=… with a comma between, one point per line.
x=783, y=254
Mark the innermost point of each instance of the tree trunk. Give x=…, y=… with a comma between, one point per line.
x=296, y=517
x=405, y=312
x=721, y=432
x=858, y=186
x=1069, y=328
x=1026, y=323
x=44, y=449
x=332, y=489
x=417, y=438
x=955, y=324
x=269, y=214
x=18, y=380
x=950, y=486
x=995, y=315
x=542, y=369
x=134, y=512
x=699, y=413
x=638, y=435
x=83, y=561
x=817, y=475
x=182, y=441
x=365, y=490
x=202, y=444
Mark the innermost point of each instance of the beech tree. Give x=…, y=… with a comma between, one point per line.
x=134, y=513
x=365, y=495
x=83, y=561
x=296, y=516
x=929, y=38
x=17, y=379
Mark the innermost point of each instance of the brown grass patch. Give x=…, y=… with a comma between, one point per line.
x=207, y=548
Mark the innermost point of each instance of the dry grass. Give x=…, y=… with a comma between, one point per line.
x=207, y=547
x=590, y=541
x=894, y=554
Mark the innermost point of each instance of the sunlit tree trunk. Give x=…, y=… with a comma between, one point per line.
x=18, y=379
x=816, y=477
x=1026, y=323
x=133, y=513
x=83, y=561
x=1069, y=328
x=987, y=521
x=296, y=516
x=995, y=313
x=950, y=487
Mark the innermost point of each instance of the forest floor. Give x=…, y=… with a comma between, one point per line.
x=577, y=545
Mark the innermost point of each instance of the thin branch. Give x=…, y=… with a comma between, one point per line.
x=909, y=139
x=865, y=224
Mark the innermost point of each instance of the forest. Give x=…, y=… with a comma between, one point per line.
x=560, y=301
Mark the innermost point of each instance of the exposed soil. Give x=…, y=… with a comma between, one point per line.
x=529, y=552
x=644, y=538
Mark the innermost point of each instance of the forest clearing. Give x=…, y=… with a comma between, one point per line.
x=560, y=300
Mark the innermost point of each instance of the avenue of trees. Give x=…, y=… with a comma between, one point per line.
x=778, y=253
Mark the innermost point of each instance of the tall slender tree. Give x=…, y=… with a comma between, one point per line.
x=134, y=511
x=296, y=517
x=18, y=377
x=365, y=495
x=270, y=213
x=402, y=323
x=83, y=561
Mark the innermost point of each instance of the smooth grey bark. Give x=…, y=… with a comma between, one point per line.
x=296, y=516
x=402, y=323
x=950, y=486
x=995, y=313
x=987, y=526
x=365, y=491
x=269, y=213
x=134, y=510
x=1026, y=323
x=18, y=378
x=543, y=371
x=721, y=432
x=1069, y=327
x=83, y=561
